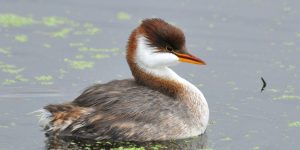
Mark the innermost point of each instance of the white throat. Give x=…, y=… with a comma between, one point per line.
x=157, y=64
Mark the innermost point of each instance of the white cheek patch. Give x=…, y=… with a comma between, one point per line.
x=147, y=56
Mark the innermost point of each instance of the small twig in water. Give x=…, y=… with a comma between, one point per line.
x=264, y=84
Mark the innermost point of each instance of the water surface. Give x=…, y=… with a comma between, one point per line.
x=51, y=50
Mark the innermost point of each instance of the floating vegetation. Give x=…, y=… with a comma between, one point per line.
x=76, y=44
x=79, y=56
x=21, y=78
x=12, y=69
x=80, y=65
x=123, y=16
x=21, y=38
x=100, y=56
x=44, y=79
x=5, y=52
x=53, y=21
x=294, y=124
x=46, y=45
x=18, y=78
x=12, y=20
x=289, y=89
x=62, y=73
x=8, y=82
x=91, y=49
x=89, y=29
x=287, y=97
x=62, y=33
x=227, y=138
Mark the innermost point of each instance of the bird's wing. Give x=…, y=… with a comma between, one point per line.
x=124, y=109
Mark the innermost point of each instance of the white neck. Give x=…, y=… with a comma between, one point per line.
x=156, y=64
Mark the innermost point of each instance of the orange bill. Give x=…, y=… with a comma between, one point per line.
x=190, y=59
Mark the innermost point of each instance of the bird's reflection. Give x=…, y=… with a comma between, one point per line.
x=199, y=142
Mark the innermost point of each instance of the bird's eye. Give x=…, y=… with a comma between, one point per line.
x=169, y=48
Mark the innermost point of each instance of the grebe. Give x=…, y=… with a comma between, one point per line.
x=156, y=105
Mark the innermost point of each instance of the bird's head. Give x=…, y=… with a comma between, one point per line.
x=156, y=43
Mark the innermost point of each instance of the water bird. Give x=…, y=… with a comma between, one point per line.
x=156, y=105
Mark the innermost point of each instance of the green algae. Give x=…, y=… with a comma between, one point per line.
x=79, y=65
x=256, y=148
x=89, y=29
x=53, y=21
x=11, y=69
x=62, y=33
x=44, y=79
x=12, y=20
x=158, y=147
x=46, y=45
x=129, y=148
x=91, y=49
x=123, y=16
x=294, y=124
x=227, y=138
x=287, y=97
x=79, y=56
x=76, y=44
x=21, y=38
x=21, y=78
x=62, y=73
x=273, y=90
x=5, y=52
x=8, y=82
x=289, y=89
x=100, y=56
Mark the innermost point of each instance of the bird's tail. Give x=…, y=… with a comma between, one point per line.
x=55, y=118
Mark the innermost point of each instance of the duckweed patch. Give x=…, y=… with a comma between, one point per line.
x=21, y=78
x=53, y=21
x=256, y=148
x=287, y=97
x=12, y=20
x=44, y=79
x=78, y=44
x=294, y=124
x=62, y=73
x=46, y=45
x=79, y=56
x=62, y=33
x=123, y=16
x=100, y=56
x=5, y=52
x=91, y=49
x=80, y=65
x=227, y=138
x=8, y=82
x=89, y=29
x=11, y=69
x=21, y=38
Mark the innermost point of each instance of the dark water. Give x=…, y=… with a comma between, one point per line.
x=51, y=50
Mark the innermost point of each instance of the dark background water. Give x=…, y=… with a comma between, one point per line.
x=51, y=50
